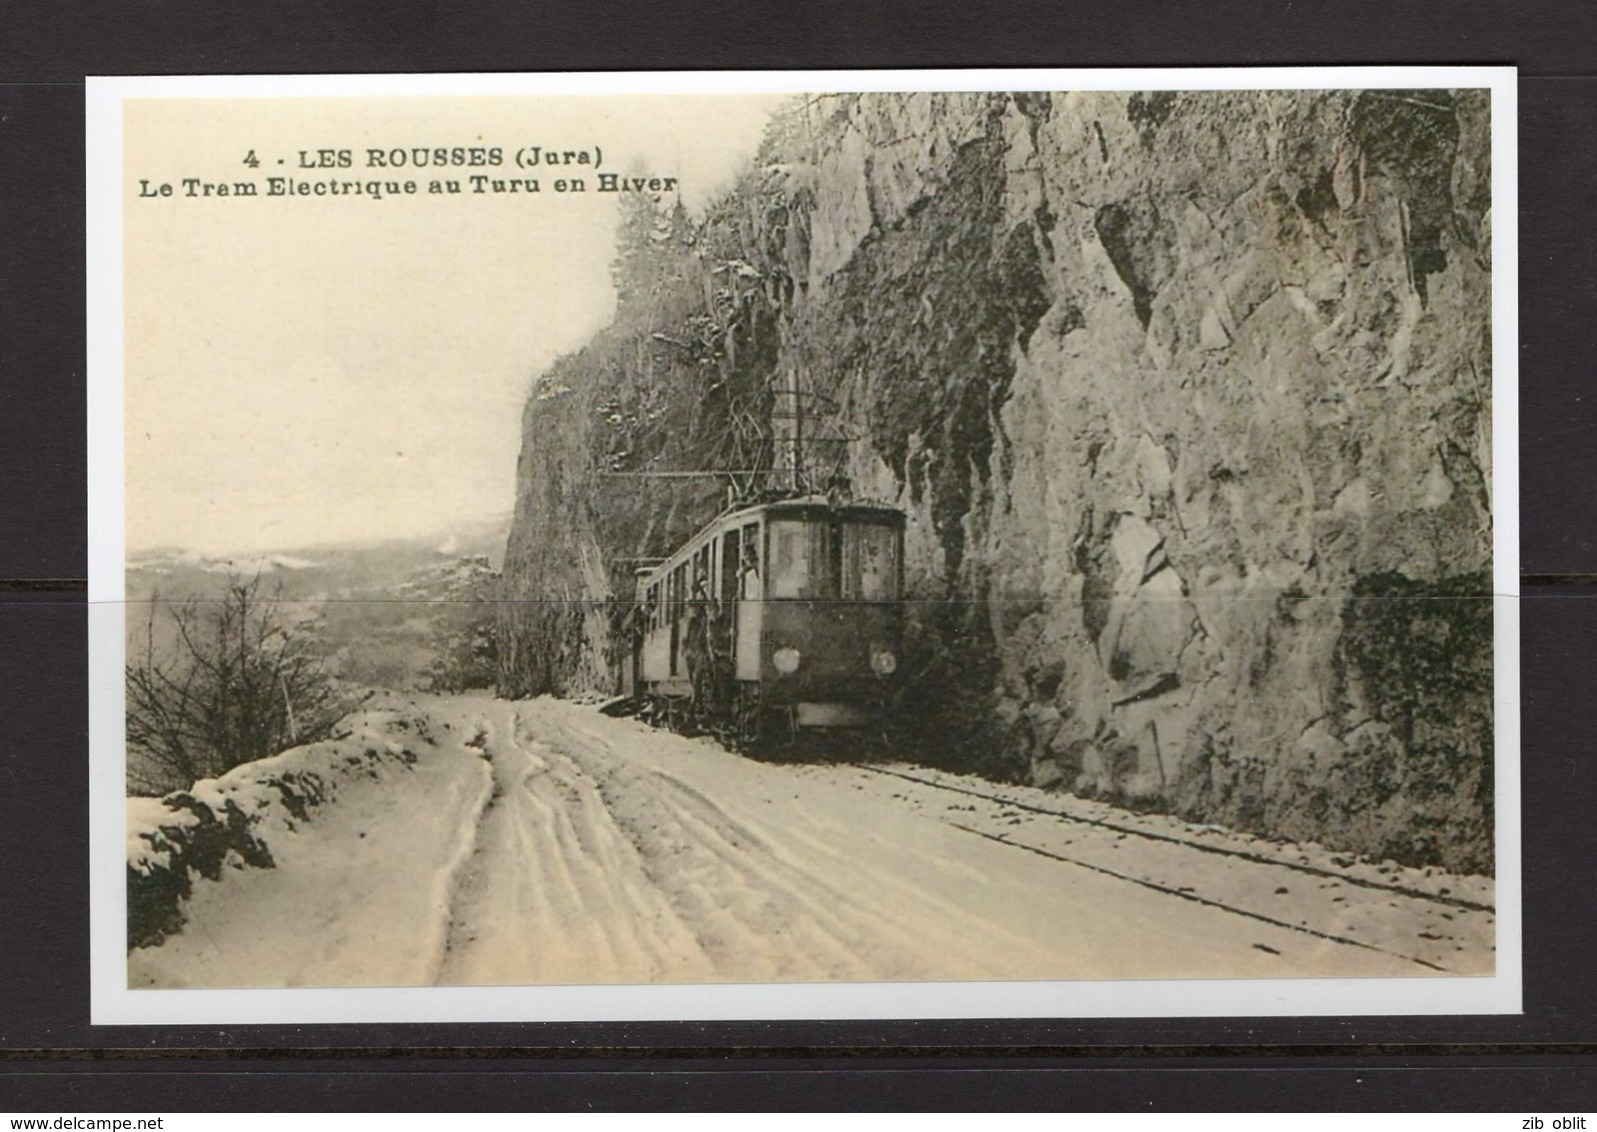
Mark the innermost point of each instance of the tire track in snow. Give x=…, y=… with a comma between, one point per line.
x=608, y=896
x=762, y=906
x=457, y=876
x=592, y=862
x=722, y=878
x=553, y=893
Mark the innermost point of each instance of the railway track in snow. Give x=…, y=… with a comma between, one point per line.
x=1393, y=912
x=1345, y=877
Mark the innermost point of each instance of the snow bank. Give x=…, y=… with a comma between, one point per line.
x=231, y=821
x=368, y=837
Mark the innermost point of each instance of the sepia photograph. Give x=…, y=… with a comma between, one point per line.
x=875, y=532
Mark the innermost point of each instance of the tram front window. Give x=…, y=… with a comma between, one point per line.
x=826, y=560
x=870, y=562
x=802, y=562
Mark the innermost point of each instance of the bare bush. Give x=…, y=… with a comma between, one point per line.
x=220, y=682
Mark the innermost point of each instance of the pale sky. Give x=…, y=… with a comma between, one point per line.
x=314, y=369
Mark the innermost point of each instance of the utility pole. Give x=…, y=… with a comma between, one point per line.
x=787, y=429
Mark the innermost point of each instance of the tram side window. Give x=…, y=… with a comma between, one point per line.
x=726, y=588
x=803, y=560
x=701, y=574
x=870, y=562
x=753, y=576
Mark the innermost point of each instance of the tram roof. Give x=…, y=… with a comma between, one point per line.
x=807, y=503
x=802, y=505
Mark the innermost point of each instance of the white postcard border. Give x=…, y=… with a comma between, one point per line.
x=111, y=1002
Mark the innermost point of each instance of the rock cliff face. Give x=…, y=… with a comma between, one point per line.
x=1187, y=397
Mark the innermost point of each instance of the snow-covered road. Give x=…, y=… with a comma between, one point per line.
x=542, y=842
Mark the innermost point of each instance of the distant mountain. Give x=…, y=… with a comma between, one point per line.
x=385, y=612
x=322, y=571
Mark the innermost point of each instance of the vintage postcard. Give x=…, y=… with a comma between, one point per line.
x=806, y=545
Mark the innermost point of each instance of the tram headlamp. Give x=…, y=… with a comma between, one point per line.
x=786, y=660
x=883, y=662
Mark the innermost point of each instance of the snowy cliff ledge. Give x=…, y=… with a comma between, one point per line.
x=1187, y=396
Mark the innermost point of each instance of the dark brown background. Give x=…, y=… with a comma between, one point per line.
x=52, y=1061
